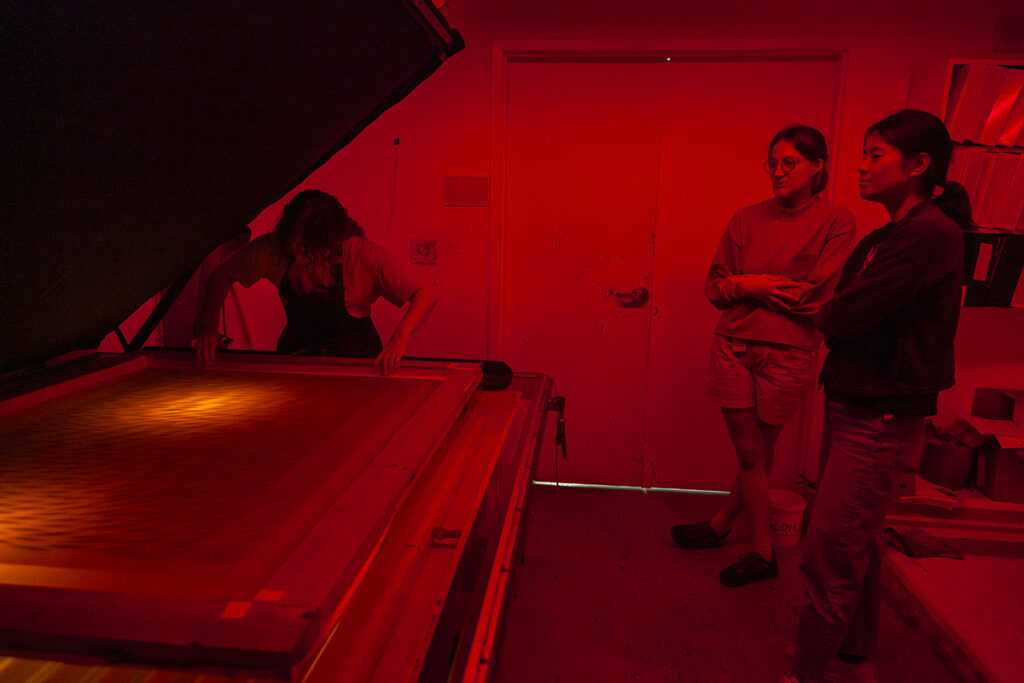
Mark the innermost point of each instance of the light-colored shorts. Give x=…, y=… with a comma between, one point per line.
x=773, y=378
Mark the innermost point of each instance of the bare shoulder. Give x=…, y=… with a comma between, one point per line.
x=262, y=257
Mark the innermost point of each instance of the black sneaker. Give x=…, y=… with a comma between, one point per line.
x=697, y=536
x=751, y=568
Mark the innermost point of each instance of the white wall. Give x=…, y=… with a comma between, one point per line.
x=444, y=126
x=444, y=129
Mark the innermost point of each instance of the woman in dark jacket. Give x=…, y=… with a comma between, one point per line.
x=889, y=329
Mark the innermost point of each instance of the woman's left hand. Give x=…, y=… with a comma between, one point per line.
x=388, y=359
x=421, y=303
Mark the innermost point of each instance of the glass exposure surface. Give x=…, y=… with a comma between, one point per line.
x=186, y=483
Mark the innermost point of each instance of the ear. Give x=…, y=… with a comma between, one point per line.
x=919, y=163
x=818, y=164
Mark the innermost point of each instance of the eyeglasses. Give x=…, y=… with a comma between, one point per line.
x=787, y=164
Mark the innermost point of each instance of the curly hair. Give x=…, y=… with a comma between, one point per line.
x=316, y=222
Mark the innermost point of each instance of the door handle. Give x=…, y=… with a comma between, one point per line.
x=634, y=299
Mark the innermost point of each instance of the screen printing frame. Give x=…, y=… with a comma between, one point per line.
x=270, y=632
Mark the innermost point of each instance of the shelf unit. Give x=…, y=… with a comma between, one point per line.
x=982, y=104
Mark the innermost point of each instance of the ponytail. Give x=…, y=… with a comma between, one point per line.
x=955, y=203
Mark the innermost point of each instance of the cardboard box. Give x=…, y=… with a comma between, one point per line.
x=998, y=414
x=947, y=463
x=1001, y=473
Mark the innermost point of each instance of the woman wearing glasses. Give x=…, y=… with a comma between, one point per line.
x=776, y=265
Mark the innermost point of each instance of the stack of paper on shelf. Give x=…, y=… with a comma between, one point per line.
x=992, y=194
x=1010, y=214
x=995, y=184
x=986, y=105
x=1013, y=130
x=1006, y=100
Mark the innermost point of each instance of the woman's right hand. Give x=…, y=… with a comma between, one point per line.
x=775, y=290
x=205, y=345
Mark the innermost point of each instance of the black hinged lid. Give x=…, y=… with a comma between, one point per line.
x=138, y=136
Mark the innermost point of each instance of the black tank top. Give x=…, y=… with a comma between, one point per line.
x=319, y=324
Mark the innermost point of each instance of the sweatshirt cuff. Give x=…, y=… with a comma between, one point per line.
x=729, y=289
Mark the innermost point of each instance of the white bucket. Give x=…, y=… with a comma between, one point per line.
x=787, y=517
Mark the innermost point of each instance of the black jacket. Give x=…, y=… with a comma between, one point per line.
x=891, y=323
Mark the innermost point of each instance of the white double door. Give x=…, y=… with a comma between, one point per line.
x=620, y=178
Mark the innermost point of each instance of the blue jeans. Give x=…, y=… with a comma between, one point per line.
x=841, y=565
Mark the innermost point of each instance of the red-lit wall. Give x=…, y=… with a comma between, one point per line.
x=392, y=176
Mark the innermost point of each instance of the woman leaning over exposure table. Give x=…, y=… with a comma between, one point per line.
x=327, y=274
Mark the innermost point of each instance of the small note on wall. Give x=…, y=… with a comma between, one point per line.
x=423, y=251
x=466, y=191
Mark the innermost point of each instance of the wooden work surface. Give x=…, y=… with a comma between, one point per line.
x=238, y=502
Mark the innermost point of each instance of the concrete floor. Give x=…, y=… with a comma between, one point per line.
x=605, y=596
